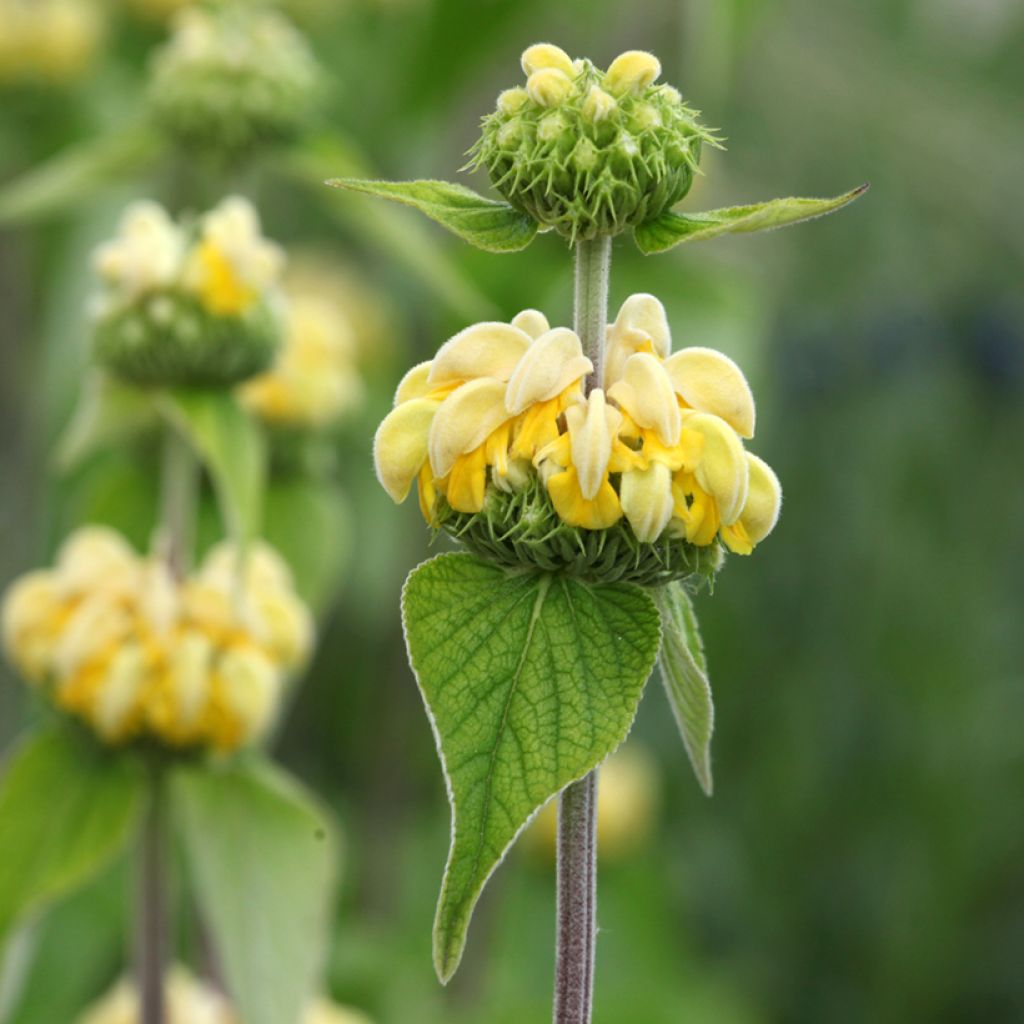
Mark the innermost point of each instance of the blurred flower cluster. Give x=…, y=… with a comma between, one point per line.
x=50, y=41
x=660, y=444
x=116, y=640
x=183, y=305
x=191, y=1001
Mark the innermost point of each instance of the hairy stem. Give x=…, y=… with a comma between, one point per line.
x=178, y=489
x=151, y=906
x=593, y=262
x=577, y=902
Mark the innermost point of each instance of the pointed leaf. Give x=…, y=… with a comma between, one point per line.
x=67, y=809
x=76, y=173
x=262, y=858
x=486, y=223
x=672, y=229
x=530, y=681
x=230, y=446
x=684, y=673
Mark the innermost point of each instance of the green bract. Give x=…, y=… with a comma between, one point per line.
x=522, y=529
x=594, y=163
x=170, y=339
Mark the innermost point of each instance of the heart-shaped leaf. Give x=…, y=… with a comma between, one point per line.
x=486, y=223
x=684, y=672
x=672, y=229
x=530, y=682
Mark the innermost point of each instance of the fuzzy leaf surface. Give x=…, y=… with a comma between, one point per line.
x=262, y=860
x=671, y=229
x=486, y=223
x=67, y=809
x=530, y=682
x=684, y=672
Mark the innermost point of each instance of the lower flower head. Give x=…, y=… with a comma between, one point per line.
x=497, y=429
x=188, y=305
x=591, y=152
x=115, y=640
x=231, y=79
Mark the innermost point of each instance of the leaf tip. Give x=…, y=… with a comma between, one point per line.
x=446, y=960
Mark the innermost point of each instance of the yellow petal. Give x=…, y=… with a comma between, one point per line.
x=764, y=500
x=591, y=441
x=401, y=444
x=533, y=322
x=483, y=350
x=645, y=393
x=632, y=71
x=641, y=326
x=467, y=481
x=512, y=100
x=118, y=693
x=415, y=384
x=722, y=470
x=552, y=363
x=549, y=86
x=191, y=659
x=464, y=421
x=598, y=105
x=709, y=381
x=251, y=689
x=427, y=494
x=546, y=55
x=597, y=513
x=646, y=496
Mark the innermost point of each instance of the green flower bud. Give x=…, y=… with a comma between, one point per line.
x=520, y=527
x=588, y=152
x=231, y=79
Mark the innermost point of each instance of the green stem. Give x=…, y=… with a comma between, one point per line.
x=593, y=263
x=178, y=494
x=576, y=933
x=151, y=906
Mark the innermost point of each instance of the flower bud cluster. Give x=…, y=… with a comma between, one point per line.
x=497, y=430
x=184, y=305
x=192, y=1001
x=117, y=641
x=50, y=41
x=590, y=152
x=232, y=78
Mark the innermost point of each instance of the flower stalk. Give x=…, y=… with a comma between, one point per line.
x=593, y=264
x=151, y=904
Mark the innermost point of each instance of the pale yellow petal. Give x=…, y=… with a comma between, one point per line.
x=598, y=105
x=645, y=393
x=764, y=500
x=546, y=55
x=464, y=421
x=553, y=362
x=632, y=71
x=709, y=381
x=722, y=470
x=415, y=384
x=400, y=446
x=641, y=326
x=549, y=86
x=118, y=693
x=484, y=350
x=251, y=688
x=532, y=321
x=591, y=442
x=647, y=502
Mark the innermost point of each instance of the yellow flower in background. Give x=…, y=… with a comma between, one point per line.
x=114, y=639
x=661, y=443
x=193, y=1001
x=314, y=379
x=52, y=41
x=158, y=9
x=628, y=797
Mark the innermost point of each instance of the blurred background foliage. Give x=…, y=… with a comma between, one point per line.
x=863, y=857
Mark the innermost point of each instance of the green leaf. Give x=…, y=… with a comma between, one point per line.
x=230, y=446
x=107, y=411
x=684, y=672
x=672, y=229
x=530, y=681
x=262, y=860
x=486, y=223
x=67, y=809
x=75, y=173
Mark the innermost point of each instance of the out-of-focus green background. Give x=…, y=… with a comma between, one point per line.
x=863, y=856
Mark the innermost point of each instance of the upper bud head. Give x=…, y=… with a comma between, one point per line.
x=590, y=152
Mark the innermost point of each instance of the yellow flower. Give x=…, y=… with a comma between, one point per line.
x=193, y=1001
x=120, y=643
x=51, y=41
x=232, y=266
x=632, y=71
